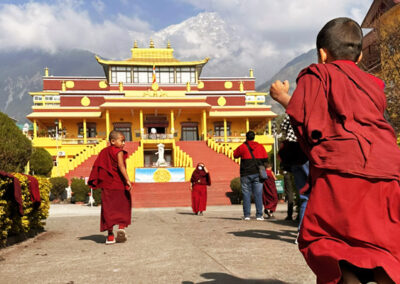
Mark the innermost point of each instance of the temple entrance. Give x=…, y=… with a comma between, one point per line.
x=190, y=131
x=125, y=128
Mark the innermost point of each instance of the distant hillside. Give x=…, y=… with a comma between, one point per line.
x=289, y=72
x=22, y=72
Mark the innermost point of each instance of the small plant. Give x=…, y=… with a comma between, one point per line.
x=236, y=188
x=41, y=162
x=58, y=186
x=80, y=190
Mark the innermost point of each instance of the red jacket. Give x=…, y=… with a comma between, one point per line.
x=247, y=165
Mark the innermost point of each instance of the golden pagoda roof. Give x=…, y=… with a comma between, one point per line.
x=152, y=56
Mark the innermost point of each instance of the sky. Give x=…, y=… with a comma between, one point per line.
x=235, y=34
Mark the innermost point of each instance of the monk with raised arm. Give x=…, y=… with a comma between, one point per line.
x=351, y=227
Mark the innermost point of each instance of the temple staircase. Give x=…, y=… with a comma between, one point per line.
x=83, y=170
x=177, y=194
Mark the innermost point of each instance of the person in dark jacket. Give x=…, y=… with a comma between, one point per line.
x=249, y=174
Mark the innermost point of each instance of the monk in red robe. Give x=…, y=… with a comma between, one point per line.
x=198, y=184
x=270, y=193
x=109, y=174
x=351, y=228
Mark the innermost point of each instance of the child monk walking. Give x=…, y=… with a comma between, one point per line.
x=351, y=228
x=109, y=174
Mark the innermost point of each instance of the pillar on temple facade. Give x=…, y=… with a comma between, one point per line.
x=60, y=124
x=247, y=125
x=204, y=125
x=84, y=132
x=141, y=122
x=172, y=122
x=269, y=127
x=225, y=131
x=107, y=123
x=34, y=129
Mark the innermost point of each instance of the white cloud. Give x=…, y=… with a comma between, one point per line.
x=242, y=34
x=99, y=6
x=66, y=25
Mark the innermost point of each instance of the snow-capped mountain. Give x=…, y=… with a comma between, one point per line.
x=205, y=35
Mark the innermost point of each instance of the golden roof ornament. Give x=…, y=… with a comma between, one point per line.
x=169, y=44
x=135, y=44
x=151, y=43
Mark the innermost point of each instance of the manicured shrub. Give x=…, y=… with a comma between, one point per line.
x=58, y=186
x=15, y=148
x=41, y=162
x=97, y=196
x=33, y=220
x=236, y=188
x=80, y=190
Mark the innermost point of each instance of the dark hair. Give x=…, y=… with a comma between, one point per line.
x=114, y=135
x=342, y=38
x=250, y=135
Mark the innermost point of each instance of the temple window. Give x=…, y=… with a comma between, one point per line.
x=219, y=128
x=121, y=74
x=185, y=74
x=166, y=74
x=90, y=129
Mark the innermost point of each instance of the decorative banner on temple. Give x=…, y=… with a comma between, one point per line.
x=160, y=175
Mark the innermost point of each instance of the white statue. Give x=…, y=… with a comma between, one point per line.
x=153, y=133
x=161, y=160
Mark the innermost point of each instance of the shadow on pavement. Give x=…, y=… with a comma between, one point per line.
x=222, y=278
x=284, y=222
x=283, y=235
x=100, y=239
x=226, y=218
x=187, y=213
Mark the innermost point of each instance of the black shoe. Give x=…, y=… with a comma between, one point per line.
x=289, y=218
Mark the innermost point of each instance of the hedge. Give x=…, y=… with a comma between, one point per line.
x=41, y=162
x=15, y=148
x=80, y=190
x=33, y=220
x=58, y=186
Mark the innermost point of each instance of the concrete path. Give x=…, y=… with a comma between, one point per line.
x=165, y=245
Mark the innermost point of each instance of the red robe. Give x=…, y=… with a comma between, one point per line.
x=199, y=180
x=270, y=194
x=16, y=193
x=116, y=205
x=353, y=209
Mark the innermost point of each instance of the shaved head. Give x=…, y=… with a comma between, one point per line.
x=114, y=135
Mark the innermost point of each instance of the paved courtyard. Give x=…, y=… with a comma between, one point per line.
x=165, y=245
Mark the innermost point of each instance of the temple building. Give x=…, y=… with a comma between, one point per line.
x=153, y=98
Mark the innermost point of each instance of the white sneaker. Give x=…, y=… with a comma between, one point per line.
x=246, y=218
x=260, y=218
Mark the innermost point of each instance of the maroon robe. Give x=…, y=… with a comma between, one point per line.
x=200, y=180
x=353, y=210
x=34, y=191
x=116, y=205
x=16, y=193
x=270, y=194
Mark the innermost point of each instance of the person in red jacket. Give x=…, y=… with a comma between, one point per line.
x=249, y=174
x=109, y=174
x=198, y=184
x=351, y=227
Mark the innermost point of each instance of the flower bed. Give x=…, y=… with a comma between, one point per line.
x=12, y=224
